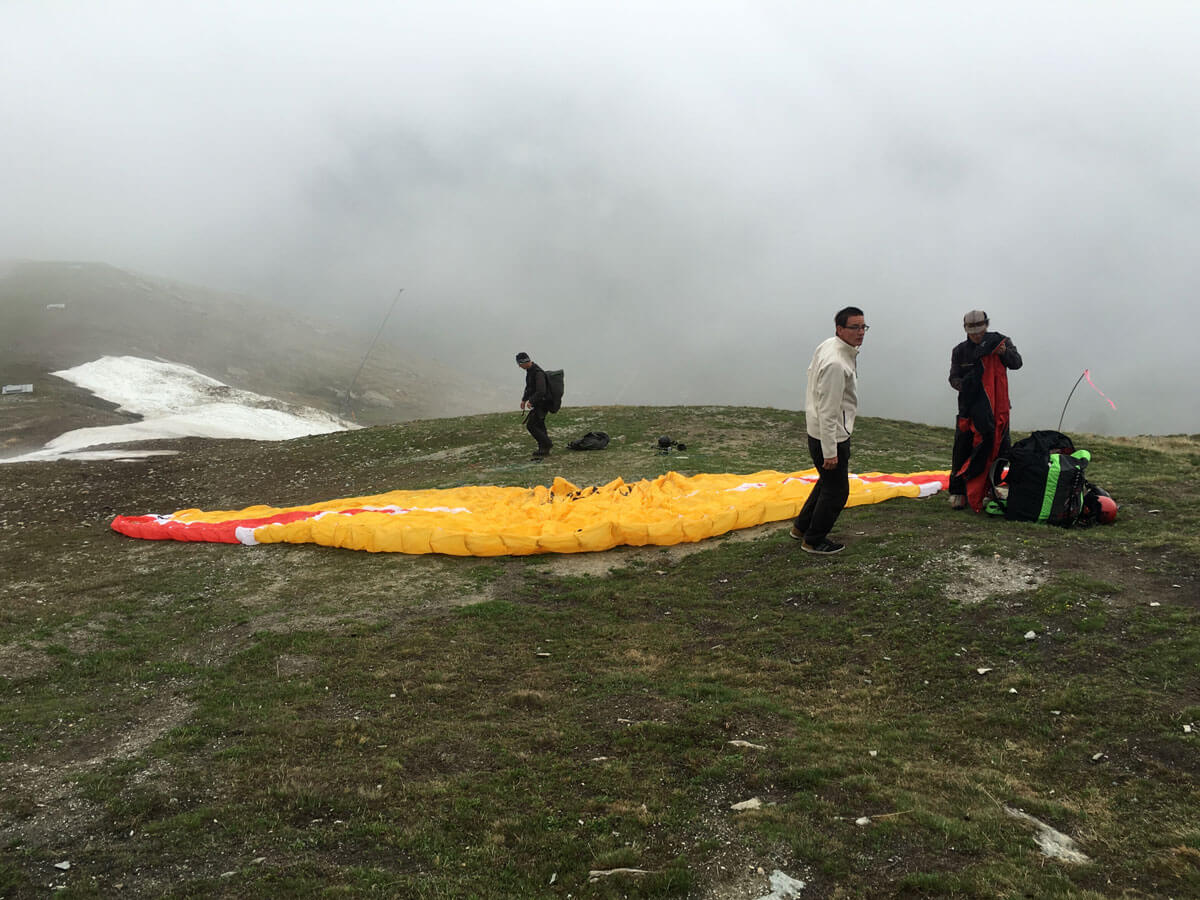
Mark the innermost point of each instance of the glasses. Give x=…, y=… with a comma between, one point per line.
x=862, y=328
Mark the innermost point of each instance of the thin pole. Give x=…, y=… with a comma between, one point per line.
x=349, y=405
x=1069, y=396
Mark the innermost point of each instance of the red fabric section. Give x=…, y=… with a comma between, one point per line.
x=158, y=528
x=934, y=478
x=995, y=387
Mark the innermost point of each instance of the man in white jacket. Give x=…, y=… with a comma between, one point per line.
x=831, y=402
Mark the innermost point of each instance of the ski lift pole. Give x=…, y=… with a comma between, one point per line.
x=1069, y=396
x=349, y=405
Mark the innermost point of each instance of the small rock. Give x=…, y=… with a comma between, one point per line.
x=64, y=865
x=784, y=887
x=752, y=803
x=1030, y=635
x=983, y=671
x=863, y=820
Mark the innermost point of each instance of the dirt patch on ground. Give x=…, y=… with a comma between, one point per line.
x=976, y=578
x=47, y=787
x=18, y=662
x=449, y=453
x=26, y=660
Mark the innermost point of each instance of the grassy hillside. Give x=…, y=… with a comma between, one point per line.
x=192, y=720
x=56, y=315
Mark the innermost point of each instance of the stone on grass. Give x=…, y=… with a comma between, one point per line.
x=783, y=887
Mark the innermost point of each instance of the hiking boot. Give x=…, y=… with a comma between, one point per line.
x=824, y=547
x=542, y=452
x=796, y=535
x=958, y=501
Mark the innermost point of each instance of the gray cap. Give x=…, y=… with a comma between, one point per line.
x=975, y=322
x=522, y=358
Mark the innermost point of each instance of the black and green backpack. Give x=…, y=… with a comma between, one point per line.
x=1044, y=482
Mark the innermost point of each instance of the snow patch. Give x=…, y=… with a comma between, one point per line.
x=176, y=401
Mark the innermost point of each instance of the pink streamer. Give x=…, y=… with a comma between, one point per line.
x=1088, y=376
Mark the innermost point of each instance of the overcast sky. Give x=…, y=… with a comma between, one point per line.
x=667, y=199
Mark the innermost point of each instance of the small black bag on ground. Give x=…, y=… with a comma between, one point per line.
x=593, y=440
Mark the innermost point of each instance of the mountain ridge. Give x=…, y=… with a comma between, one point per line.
x=56, y=315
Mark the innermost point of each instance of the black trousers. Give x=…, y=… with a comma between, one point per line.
x=964, y=443
x=829, y=494
x=535, y=424
x=965, y=449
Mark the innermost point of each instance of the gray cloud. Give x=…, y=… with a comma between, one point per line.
x=669, y=200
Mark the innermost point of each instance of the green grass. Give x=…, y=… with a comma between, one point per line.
x=204, y=720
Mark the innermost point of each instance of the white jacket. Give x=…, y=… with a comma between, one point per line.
x=831, y=398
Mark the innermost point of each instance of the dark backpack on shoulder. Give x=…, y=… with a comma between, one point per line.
x=1045, y=481
x=554, y=387
x=593, y=440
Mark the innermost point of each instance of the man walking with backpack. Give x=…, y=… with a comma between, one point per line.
x=537, y=400
x=831, y=403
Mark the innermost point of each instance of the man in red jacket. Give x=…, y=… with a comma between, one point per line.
x=979, y=372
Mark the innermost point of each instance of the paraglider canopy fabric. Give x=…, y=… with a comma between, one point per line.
x=517, y=521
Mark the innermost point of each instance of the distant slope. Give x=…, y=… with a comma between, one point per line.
x=55, y=315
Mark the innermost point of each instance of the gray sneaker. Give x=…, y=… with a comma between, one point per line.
x=823, y=548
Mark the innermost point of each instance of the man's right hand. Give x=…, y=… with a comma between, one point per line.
x=831, y=462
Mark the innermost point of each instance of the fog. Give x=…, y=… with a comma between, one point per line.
x=669, y=200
